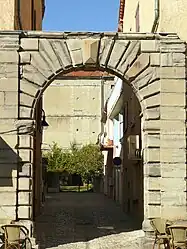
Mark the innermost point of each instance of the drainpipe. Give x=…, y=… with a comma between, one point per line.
x=157, y=15
x=18, y=14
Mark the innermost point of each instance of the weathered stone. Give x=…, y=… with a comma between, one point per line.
x=172, y=112
x=138, y=66
x=61, y=50
x=151, y=125
x=128, y=58
x=24, y=183
x=8, y=111
x=9, y=57
x=24, y=212
x=172, y=127
x=9, y=198
x=26, y=100
x=30, y=44
x=90, y=51
x=172, y=59
x=173, y=212
x=149, y=46
x=172, y=155
x=172, y=73
x=152, y=169
x=173, y=99
x=24, y=198
x=173, y=170
x=151, y=155
x=154, y=197
x=8, y=84
x=168, y=46
x=152, y=140
x=8, y=212
x=41, y=64
x=25, y=112
x=29, y=88
x=152, y=183
x=47, y=50
x=155, y=59
x=153, y=100
x=150, y=89
x=176, y=85
x=2, y=98
x=154, y=211
x=25, y=57
x=76, y=50
x=117, y=52
x=11, y=98
x=8, y=71
x=173, y=184
x=152, y=113
x=32, y=74
x=104, y=53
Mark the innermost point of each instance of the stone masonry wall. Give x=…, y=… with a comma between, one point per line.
x=152, y=64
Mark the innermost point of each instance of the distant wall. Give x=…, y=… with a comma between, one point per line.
x=73, y=109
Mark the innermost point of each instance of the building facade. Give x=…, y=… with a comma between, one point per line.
x=21, y=14
x=155, y=16
x=73, y=104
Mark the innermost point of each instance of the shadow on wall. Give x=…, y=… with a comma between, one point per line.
x=8, y=164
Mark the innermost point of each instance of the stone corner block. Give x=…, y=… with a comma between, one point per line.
x=30, y=44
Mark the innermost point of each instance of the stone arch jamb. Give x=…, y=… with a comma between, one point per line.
x=154, y=66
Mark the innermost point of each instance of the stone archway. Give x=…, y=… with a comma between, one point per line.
x=154, y=66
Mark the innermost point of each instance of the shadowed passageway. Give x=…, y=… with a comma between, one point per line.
x=80, y=217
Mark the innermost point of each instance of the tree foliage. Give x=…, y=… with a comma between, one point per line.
x=86, y=161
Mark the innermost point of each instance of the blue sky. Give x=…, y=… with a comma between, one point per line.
x=81, y=15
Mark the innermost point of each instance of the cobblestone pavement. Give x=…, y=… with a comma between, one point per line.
x=85, y=221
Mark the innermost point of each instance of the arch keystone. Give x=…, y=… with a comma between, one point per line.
x=90, y=51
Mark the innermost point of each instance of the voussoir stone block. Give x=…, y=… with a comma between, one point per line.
x=76, y=50
x=25, y=57
x=61, y=49
x=104, y=52
x=138, y=66
x=90, y=51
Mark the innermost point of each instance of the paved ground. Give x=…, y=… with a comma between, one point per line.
x=85, y=221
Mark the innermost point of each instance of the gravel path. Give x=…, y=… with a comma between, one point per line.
x=85, y=221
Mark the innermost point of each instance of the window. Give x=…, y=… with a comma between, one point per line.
x=137, y=18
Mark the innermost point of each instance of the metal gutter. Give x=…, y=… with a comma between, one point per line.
x=43, y=8
x=121, y=15
x=19, y=14
x=157, y=15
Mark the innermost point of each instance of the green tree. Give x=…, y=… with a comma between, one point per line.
x=86, y=161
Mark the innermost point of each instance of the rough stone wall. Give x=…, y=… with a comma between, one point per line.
x=73, y=109
x=7, y=12
x=152, y=64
